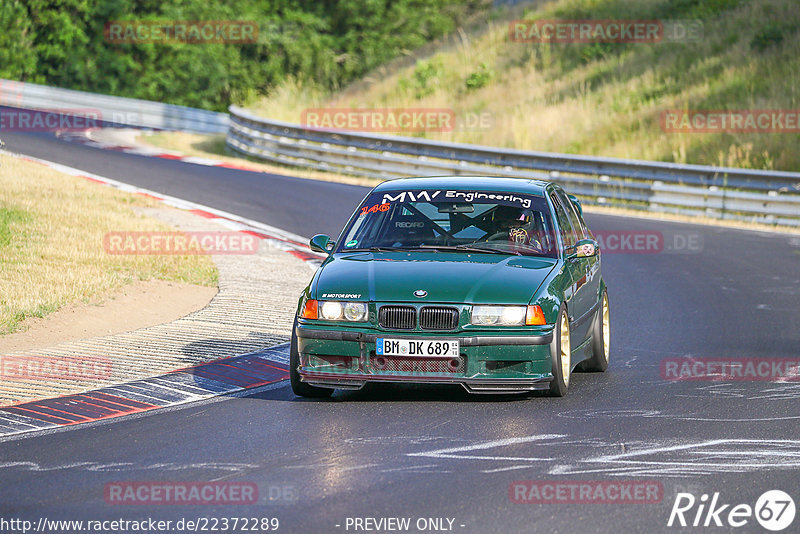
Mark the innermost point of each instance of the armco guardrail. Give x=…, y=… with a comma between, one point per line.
x=112, y=109
x=725, y=193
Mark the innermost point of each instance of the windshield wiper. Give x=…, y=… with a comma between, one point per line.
x=470, y=248
x=376, y=249
x=492, y=250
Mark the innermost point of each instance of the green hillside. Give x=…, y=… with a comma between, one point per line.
x=597, y=98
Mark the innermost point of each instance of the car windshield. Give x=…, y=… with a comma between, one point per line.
x=452, y=220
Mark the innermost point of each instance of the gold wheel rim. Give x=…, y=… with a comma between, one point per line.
x=606, y=329
x=566, y=353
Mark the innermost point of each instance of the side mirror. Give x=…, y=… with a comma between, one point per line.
x=585, y=248
x=321, y=243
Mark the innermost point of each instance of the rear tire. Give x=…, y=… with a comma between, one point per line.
x=300, y=388
x=561, y=356
x=601, y=332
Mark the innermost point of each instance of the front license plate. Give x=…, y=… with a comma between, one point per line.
x=443, y=348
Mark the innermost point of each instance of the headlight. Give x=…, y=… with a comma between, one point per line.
x=507, y=315
x=355, y=311
x=332, y=310
x=498, y=315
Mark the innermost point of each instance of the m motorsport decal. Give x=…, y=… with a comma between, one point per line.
x=452, y=195
x=341, y=295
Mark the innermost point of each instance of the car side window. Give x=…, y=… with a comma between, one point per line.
x=577, y=223
x=565, y=226
x=587, y=232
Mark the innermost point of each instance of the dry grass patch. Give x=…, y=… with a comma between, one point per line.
x=51, y=243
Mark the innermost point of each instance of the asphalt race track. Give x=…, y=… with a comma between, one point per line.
x=437, y=452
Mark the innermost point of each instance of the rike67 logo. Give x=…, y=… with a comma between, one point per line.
x=774, y=510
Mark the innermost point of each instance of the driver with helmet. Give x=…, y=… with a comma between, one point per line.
x=515, y=225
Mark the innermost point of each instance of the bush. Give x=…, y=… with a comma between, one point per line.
x=770, y=35
x=426, y=76
x=480, y=77
x=61, y=43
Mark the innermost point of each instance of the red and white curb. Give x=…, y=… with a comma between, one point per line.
x=85, y=137
x=183, y=386
x=225, y=376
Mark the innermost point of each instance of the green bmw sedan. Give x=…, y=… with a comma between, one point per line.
x=492, y=283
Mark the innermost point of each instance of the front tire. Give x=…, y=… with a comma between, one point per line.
x=300, y=388
x=561, y=355
x=601, y=334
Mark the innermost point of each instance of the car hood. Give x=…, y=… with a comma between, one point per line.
x=447, y=277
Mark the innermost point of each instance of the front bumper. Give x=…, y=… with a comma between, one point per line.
x=492, y=362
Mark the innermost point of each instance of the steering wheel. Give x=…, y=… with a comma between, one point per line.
x=499, y=236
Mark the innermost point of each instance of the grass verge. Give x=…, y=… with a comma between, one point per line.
x=51, y=243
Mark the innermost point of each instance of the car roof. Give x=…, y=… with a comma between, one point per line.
x=477, y=183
